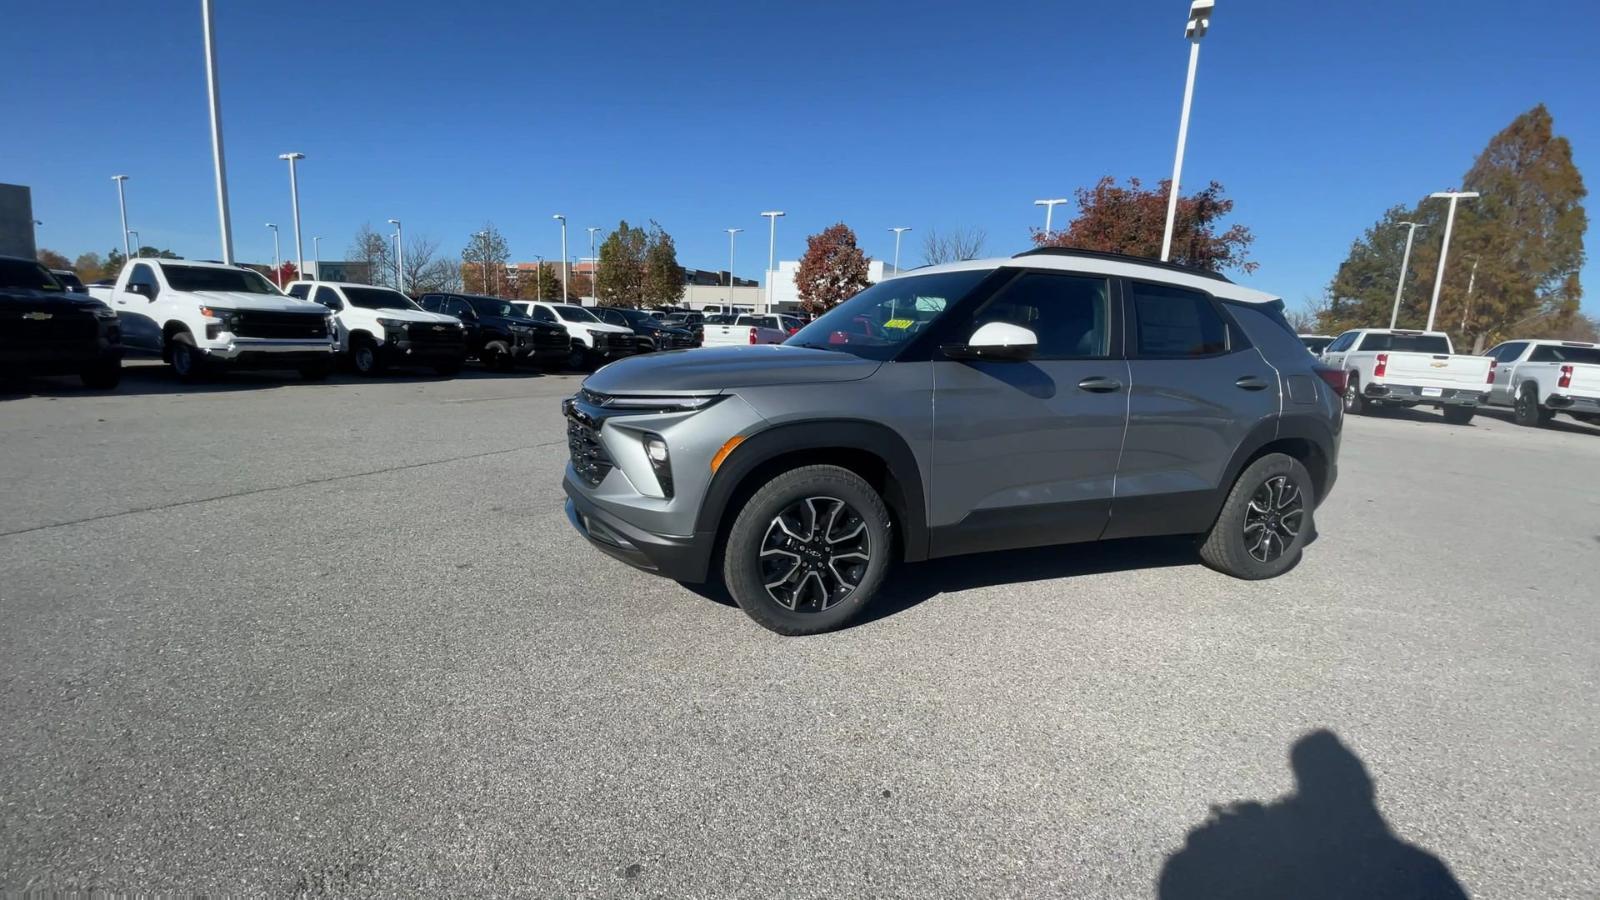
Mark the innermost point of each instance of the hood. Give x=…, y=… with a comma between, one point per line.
x=415, y=315
x=23, y=299
x=720, y=368
x=603, y=327
x=257, y=302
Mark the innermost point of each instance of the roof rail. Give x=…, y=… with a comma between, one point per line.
x=1125, y=258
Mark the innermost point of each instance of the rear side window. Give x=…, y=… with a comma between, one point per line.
x=1553, y=353
x=1264, y=324
x=1175, y=322
x=1406, y=343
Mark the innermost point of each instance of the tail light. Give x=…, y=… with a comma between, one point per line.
x=1382, y=366
x=1334, y=377
x=793, y=331
x=1493, y=364
x=1566, y=377
x=752, y=335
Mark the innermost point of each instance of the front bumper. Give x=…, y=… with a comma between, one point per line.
x=270, y=353
x=1410, y=393
x=403, y=352
x=679, y=558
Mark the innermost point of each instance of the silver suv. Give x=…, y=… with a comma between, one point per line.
x=1054, y=397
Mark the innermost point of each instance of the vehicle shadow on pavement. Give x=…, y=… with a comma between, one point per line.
x=1326, y=839
x=1560, y=423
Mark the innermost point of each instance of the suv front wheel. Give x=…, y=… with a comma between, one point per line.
x=808, y=551
x=1265, y=522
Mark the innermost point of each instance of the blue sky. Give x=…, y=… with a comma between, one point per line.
x=1315, y=117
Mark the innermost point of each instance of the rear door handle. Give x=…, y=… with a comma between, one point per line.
x=1251, y=383
x=1097, y=384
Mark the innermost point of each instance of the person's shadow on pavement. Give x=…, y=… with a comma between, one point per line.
x=1325, y=840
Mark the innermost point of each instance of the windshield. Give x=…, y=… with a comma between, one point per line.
x=204, y=278
x=70, y=280
x=19, y=273
x=877, y=322
x=378, y=298
x=1407, y=343
x=575, y=314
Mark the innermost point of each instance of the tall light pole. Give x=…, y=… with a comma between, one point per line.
x=1405, y=260
x=135, y=241
x=899, y=230
x=538, y=276
x=1466, y=308
x=772, y=247
x=563, y=255
x=594, y=268
x=1444, y=249
x=277, y=263
x=224, y=220
x=122, y=204
x=294, y=201
x=399, y=255
x=1049, y=209
x=731, y=233
x=316, y=253
x=1199, y=23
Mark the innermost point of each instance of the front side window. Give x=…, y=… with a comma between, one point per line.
x=328, y=297
x=25, y=275
x=879, y=321
x=142, y=274
x=455, y=306
x=1507, y=352
x=1341, y=343
x=377, y=298
x=1175, y=322
x=299, y=291
x=1068, y=314
x=206, y=278
x=540, y=314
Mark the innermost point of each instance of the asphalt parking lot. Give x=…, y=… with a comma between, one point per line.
x=267, y=636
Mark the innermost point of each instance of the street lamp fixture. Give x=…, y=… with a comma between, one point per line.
x=1049, y=210
x=1444, y=248
x=294, y=201
x=772, y=217
x=1195, y=29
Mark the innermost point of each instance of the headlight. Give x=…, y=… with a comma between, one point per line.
x=661, y=404
x=392, y=323
x=227, y=320
x=521, y=329
x=105, y=312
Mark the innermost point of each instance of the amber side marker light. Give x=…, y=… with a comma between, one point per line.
x=716, y=461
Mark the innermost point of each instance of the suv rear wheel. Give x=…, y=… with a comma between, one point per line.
x=808, y=551
x=1265, y=522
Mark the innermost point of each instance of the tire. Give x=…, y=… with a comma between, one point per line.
x=1267, y=483
x=185, y=359
x=102, y=376
x=496, y=356
x=578, y=357
x=316, y=371
x=364, y=357
x=448, y=369
x=1459, y=415
x=818, y=588
x=1354, y=403
x=1526, y=409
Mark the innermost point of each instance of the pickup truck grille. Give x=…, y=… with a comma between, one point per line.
x=28, y=326
x=281, y=325
x=606, y=342
x=429, y=334
x=544, y=339
x=589, y=457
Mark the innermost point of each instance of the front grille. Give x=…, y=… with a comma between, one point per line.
x=425, y=333
x=551, y=339
x=281, y=325
x=589, y=457
x=26, y=327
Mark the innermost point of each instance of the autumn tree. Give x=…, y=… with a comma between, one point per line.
x=426, y=271
x=91, y=267
x=543, y=283
x=284, y=273
x=376, y=253
x=1362, y=291
x=622, y=266
x=833, y=269
x=952, y=246
x=663, y=278
x=1129, y=219
x=52, y=260
x=582, y=284
x=483, y=263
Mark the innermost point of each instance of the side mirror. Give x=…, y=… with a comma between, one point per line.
x=142, y=290
x=999, y=341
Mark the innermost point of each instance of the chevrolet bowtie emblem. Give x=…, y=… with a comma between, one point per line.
x=438, y=328
x=38, y=316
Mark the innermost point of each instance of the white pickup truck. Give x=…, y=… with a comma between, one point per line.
x=378, y=327
x=751, y=329
x=202, y=315
x=1538, y=379
x=1408, y=368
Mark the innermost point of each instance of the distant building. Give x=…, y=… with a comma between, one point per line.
x=16, y=222
x=351, y=270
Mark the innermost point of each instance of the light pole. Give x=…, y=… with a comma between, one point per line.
x=1049, y=209
x=1199, y=22
x=772, y=246
x=731, y=233
x=1466, y=308
x=399, y=255
x=316, y=253
x=122, y=204
x=484, y=236
x=1444, y=249
x=594, y=268
x=294, y=200
x=538, y=277
x=135, y=240
x=277, y=264
x=1400, y=285
x=563, y=255
x=899, y=230
x=224, y=221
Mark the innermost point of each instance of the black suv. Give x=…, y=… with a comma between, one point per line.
x=652, y=332
x=499, y=334
x=47, y=330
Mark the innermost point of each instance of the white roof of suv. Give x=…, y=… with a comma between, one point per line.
x=1109, y=264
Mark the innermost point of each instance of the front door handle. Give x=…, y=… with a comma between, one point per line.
x=1250, y=383
x=1096, y=384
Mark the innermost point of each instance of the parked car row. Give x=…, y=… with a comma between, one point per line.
x=1395, y=367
